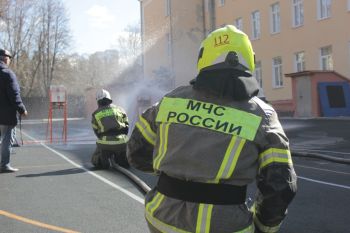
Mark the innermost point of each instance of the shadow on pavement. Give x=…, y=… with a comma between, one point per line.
x=56, y=173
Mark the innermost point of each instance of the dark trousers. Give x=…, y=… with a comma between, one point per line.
x=104, y=152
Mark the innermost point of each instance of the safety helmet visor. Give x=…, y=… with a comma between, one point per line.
x=222, y=41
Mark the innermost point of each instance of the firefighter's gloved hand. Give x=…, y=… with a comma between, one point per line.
x=252, y=209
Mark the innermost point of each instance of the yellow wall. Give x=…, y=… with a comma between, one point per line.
x=309, y=38
x=187, y=34
x=187, y=27
x=155, y=26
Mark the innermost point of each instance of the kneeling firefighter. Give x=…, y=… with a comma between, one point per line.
x=208, y=141
x=110, y=125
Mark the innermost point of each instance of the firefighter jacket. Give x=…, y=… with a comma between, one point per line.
x=201, y=134
x=110, y=125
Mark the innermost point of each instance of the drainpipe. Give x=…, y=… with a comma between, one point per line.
x=142, y=39
x=203, y=19
x=212, y=15
x=171, y=44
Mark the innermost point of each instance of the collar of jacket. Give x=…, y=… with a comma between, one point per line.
x=226, y=81
x=3, y=65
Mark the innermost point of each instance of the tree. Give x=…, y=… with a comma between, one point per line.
x=129, y=43
x=3, y=6
x=129, y=46
x=53, y=38
x=36, y=33
x=18, y=27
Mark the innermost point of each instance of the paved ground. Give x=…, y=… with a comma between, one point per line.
x=56, y=189
x=326, y=136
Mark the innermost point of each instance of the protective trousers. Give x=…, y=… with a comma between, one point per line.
x=104, y=152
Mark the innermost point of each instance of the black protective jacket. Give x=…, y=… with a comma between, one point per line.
x=10, y=98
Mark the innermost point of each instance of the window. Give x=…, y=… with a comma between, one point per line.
x=326, y=58
x=221, y=2
x=275, y=18
x=167, y=7
x=299, y=61
x=298, y=13
x=277, y=72
x=324, y=9
x=258, y=73
x=348, y=5
x=255, y=25
x=239, y=23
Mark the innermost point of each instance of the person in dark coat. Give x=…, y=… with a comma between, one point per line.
x=11, y=105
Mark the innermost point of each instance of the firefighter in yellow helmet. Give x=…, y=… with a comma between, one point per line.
x=208, y=141
x=110, y=125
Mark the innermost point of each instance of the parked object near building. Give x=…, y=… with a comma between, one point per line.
x=320, y=94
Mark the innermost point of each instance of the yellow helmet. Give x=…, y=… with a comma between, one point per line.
x=224, y=40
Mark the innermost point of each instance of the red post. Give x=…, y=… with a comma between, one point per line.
x=58, y=99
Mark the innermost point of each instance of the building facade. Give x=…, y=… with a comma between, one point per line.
x=171, y=31
x=288, y=36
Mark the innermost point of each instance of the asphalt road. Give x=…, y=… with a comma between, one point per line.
x=57, y=190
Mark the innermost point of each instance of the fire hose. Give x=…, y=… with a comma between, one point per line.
x=140, y=183
x=307, y=154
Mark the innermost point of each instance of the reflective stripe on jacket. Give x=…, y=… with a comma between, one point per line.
x=110, y=124
x=199, y=137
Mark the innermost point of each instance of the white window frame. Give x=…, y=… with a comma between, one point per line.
x=258, y=73
x=298, y=13
x=299, y=61
x=167, y=8
x=256, y=29
x=239, y=23
x=326, y=58
x=221, y=3
x=324, y=9
x=275, y=18
x=277, y=74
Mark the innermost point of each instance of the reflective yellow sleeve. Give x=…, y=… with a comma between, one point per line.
x=146, y=131
x=274, y=155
